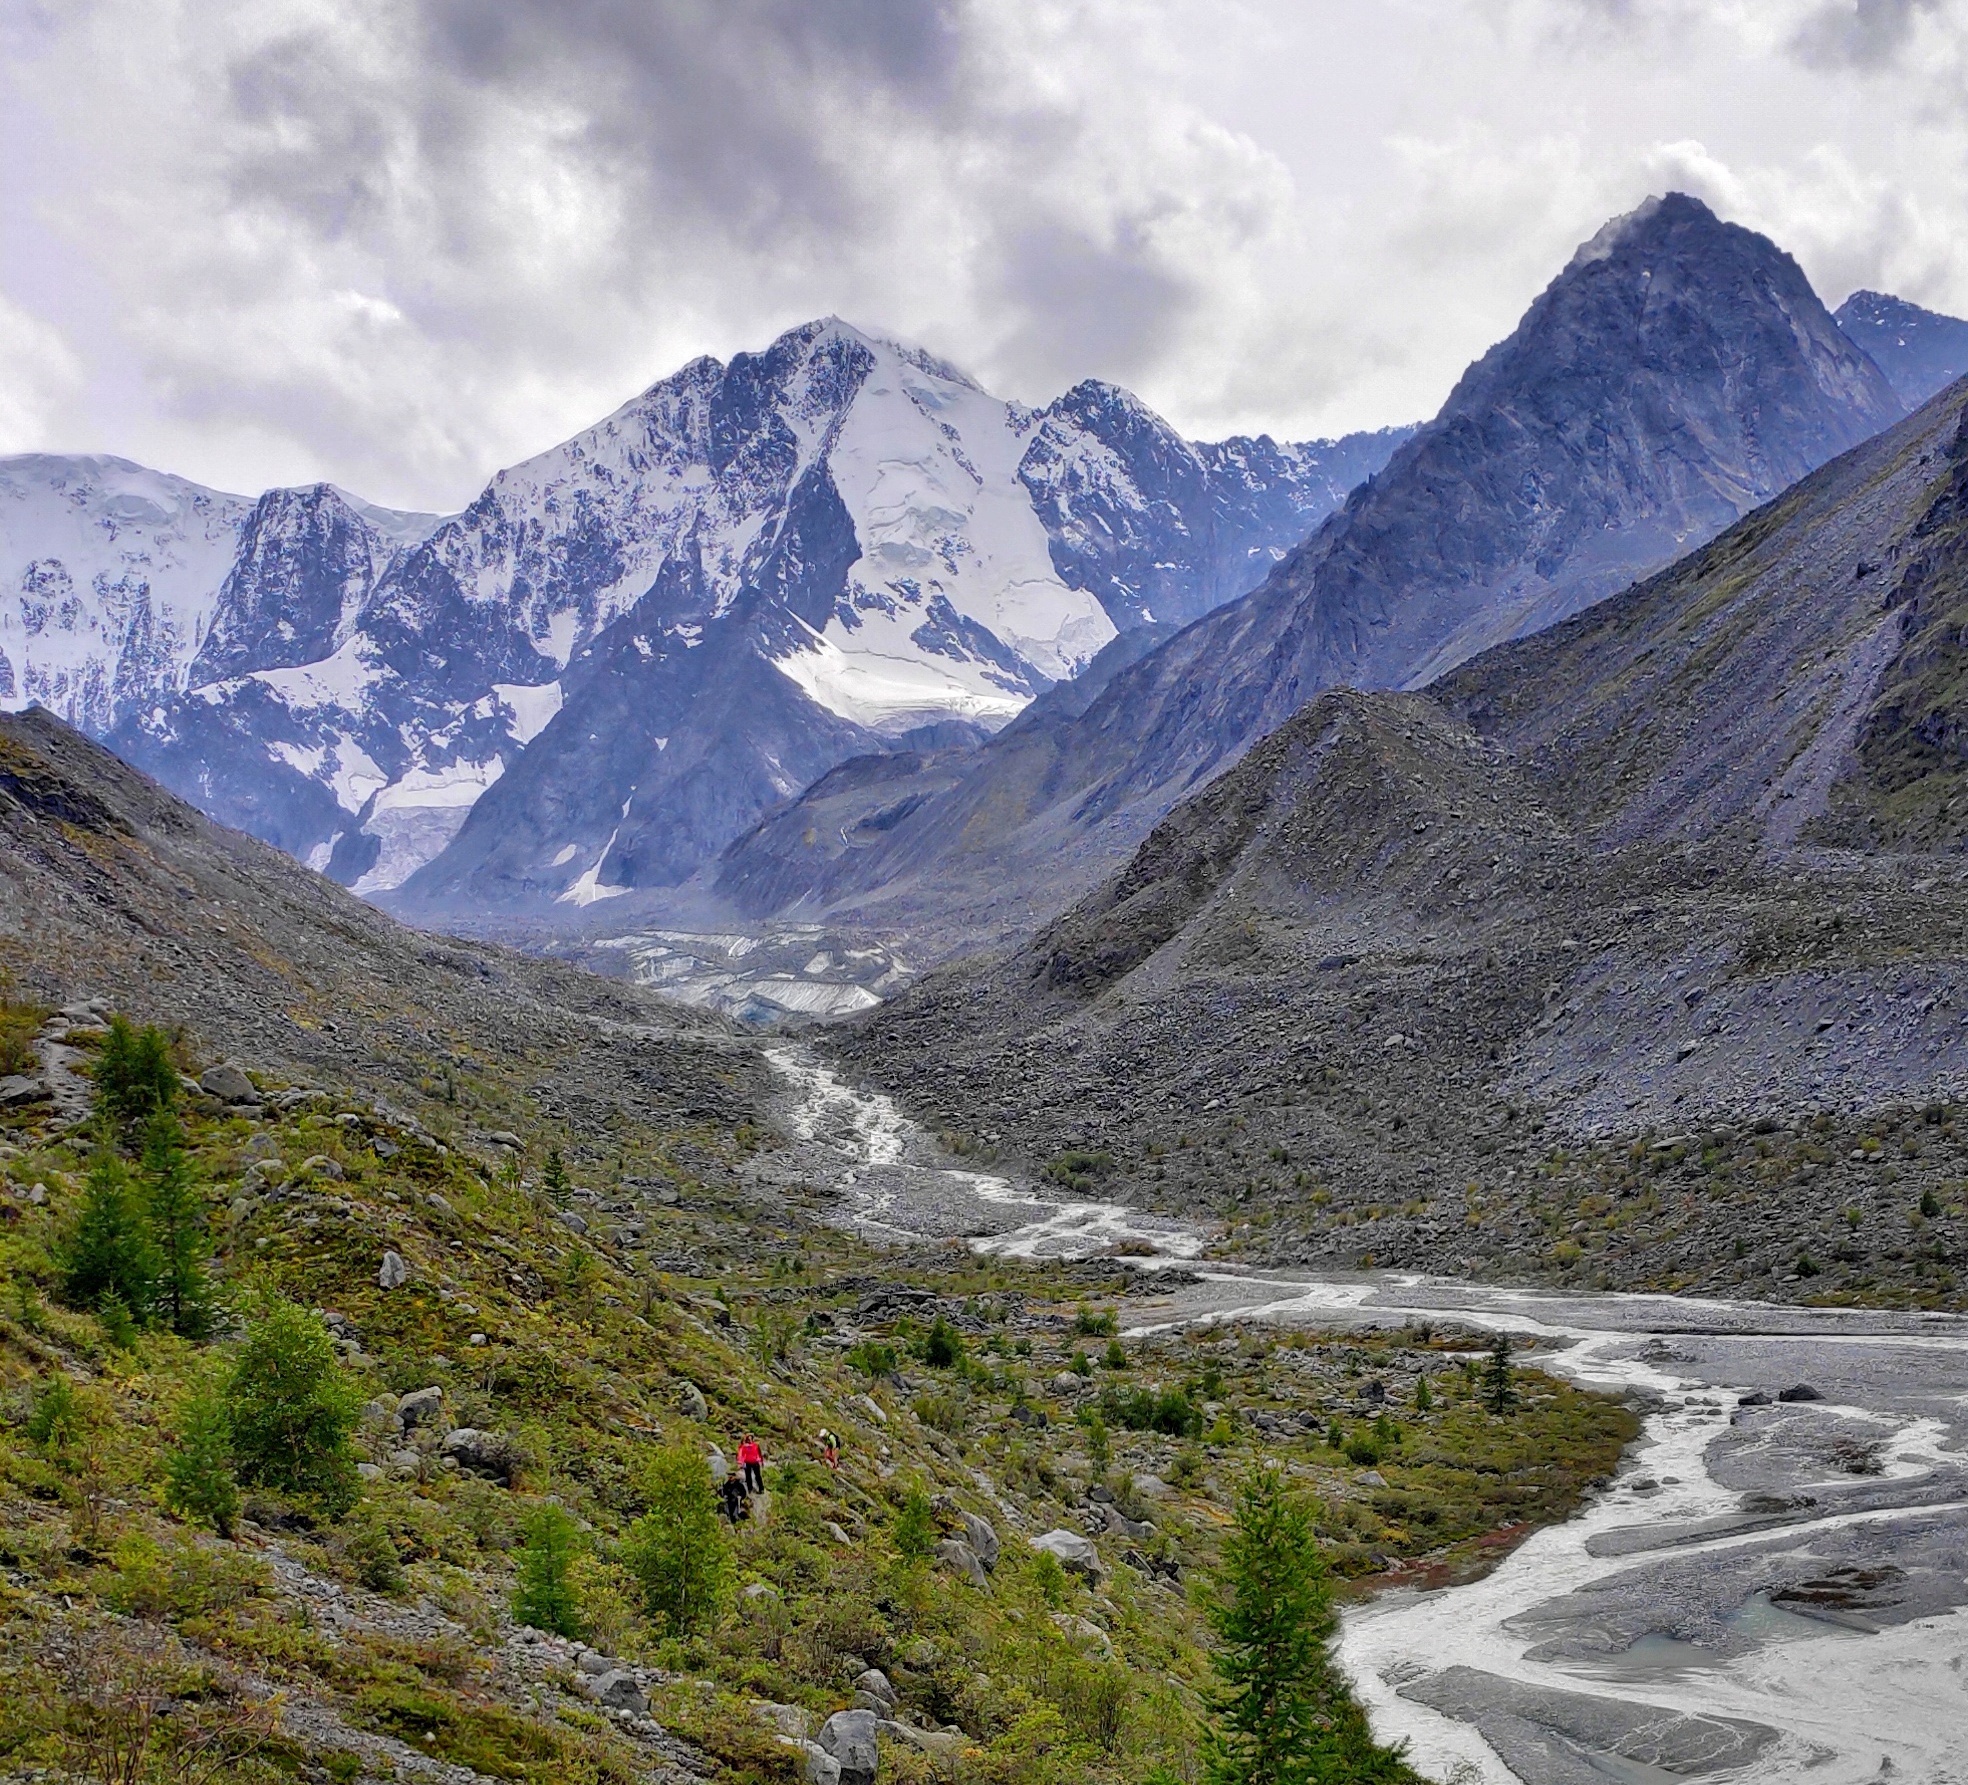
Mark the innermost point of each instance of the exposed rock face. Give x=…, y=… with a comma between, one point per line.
x=1920, y=351
x=1679, y=371
x=1163, y=529
x=109, y=574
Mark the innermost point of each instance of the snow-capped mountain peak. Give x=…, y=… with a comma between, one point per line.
x=676, y=616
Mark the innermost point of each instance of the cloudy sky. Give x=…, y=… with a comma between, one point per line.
x=398, y=243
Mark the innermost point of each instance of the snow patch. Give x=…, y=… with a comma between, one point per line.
x=587, y=888
x=532, y=706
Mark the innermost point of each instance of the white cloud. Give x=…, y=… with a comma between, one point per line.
x=400, y=242
x=38, y=378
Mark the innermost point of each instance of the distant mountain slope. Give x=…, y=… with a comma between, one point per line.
x=112, y=887
x=1677, y=372
x=1920, y=351
x=1594, y=888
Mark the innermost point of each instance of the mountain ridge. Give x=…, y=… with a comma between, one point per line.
x=1678, y=370
x=1566, y=910
x=348, y=681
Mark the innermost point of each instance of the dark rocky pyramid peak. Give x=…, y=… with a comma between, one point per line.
x=1670, y=290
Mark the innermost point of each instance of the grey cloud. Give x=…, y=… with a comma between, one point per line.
x=1089, y=308
x=719, y=106
x=1862, y=34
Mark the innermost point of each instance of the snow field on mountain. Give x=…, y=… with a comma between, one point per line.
x=109, y=576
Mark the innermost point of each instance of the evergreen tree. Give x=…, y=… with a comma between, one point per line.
x=107, y=1250
x=543, y=1594
x=135, y=1079
x=1284, y=1714
x=199, y=1482
x=292, y=1409
x=1424, y=1395
x=554, y=1176
x=1502, y=1390
x=176, y=1212
x=914, y=1530
x=678, y=1550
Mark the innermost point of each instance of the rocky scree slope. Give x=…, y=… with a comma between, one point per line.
x=346, y=681
x=1679, y=371
x=1630, y=953
x=111, y=886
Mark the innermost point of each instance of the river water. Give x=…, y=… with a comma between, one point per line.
x=1770, y=1590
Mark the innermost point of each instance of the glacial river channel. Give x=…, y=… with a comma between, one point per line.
x=1770, y=1590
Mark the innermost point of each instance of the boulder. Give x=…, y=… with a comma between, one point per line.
x=419, y=1406
x=1083, y=1634
x=849, y=1736
x=1073, y=1552
x=1067, y=1383
x=817, y=1766
x=393, y=1273
x=571, y=1221
x=961, y=1560
x=788, y=1721
x=982, y=1537
x=690, y=1399
x=379, y=1415
x=943, y=1744
x=758, y=1594
x=17, y=1089
x=228, y=1083
x=1116, y=1521
x=620, y=1690
x=1799, y=1391
x=491, y=1454
x=876, y=1685
x=720, y=1468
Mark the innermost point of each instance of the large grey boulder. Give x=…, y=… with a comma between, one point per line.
x=849, y=1736
x=691, y=1402
x=982, y=1537
x=817, y=1766
x=620, y=1690
x=420, y=1405
x=961, y=1560
x=392, y=1273
x=1073, y=1551
x=228, y=1083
